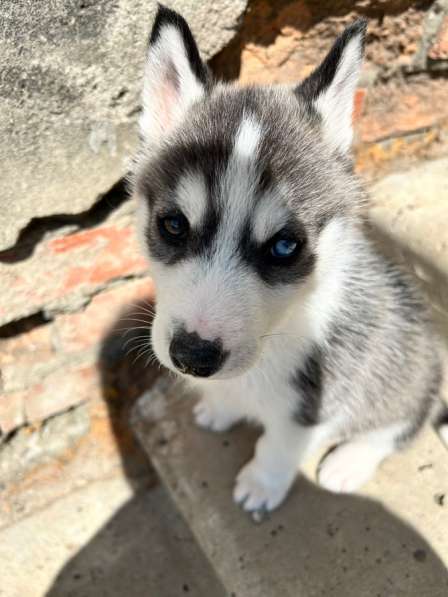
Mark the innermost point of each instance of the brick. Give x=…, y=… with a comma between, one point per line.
x=280, y=42
x=64, y=271
x=36, y=342
x=85, y=329
x=378, y=158
x=39, y=381
x=69, y=456
x=439, y=50
x=393, y=109
x=29, y=369
x=12, y=413
x=24, y=358
x=61, y=390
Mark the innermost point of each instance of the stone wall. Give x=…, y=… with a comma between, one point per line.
x=70, y=269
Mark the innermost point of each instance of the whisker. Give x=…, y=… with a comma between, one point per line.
x=136, y=319
x=136, y=328
x=125, y=331
x=282, y=334
x=144, y=313
x=151, y=359
x=143, y=305
x=133, y=349
x=145, y=337
x=136, y=347
x=141, y=337
x=140, y=353
x=144, y=309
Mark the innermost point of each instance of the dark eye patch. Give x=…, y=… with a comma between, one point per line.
x=193, y=242
x=173, y=228
x=283, y=248
x=267, y=259
x=171, y=239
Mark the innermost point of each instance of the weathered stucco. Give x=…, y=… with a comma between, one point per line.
x=69, y=89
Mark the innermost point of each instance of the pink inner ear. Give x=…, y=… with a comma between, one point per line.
x=167, y=99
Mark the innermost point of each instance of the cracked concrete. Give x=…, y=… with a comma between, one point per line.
x=389, y=540
x=106, y=541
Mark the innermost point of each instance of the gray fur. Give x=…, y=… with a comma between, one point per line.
x=381, y=359
x=376, y=363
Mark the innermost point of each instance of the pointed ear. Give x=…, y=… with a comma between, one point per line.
x=175, y=76
x=331, y=87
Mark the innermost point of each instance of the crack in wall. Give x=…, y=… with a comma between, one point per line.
x=24, y=325
x=36, y=230
x=32, y=444
x=43, y=317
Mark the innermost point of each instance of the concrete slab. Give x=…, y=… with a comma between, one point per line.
x=104, y=541
x=390, y=541
x=410, y=207
x=408, y=210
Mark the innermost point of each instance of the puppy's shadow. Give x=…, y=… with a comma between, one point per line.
x=127, y=369
x=143, y=551
x=339, y=546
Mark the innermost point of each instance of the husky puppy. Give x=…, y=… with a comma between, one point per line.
x=271, y=298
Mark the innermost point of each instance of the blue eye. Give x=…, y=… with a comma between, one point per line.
x=174, y=226
x=283, y=247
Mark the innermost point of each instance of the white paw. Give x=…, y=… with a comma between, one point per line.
x=348, y=467
x=257, y=490
x=209, y=415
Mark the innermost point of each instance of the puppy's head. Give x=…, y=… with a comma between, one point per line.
x=236, y=188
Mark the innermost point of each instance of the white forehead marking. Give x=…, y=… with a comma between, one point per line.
x=269, y=218
x=191, y=195
x=238, y=186
x=247, y=137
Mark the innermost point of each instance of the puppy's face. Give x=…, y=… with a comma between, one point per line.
x=227, y=252
x=235, y=188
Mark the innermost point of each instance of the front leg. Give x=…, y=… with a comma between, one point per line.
x=218, y=412
x=266, y=479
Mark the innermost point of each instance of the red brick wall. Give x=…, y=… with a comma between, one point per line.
x=67, y=304
x=80, y=281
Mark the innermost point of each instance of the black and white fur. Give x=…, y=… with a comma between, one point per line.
x=332, y=346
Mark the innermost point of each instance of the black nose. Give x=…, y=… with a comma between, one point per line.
x=191, y=354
